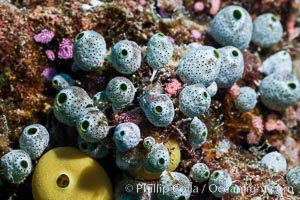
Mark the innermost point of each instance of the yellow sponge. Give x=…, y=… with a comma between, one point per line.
x=66, y=173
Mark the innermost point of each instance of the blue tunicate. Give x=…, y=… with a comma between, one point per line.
x=246, y=99
x=197, y=134
x=89, y=50
x=62, y=81
x=70, y=104
x=279, y=90
x=200, y=65
x=159, y=51
x=127, y=136
x=200, y=172
x=93, y=125
x=194, y=100
x=232, y=26
x=174, y=186
x=158, y=108
x=126, y=57
x=267, y=30
x=158, y=159
x=34, y=140
x=120, y=91
x=274, y=161
x=232, y=66
x=219, y=183
x=15, y=166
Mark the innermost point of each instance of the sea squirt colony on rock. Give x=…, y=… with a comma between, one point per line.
x=203, y=69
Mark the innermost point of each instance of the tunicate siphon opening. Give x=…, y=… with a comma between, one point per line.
x=237, y=14
x=85, y=124
x=124, y=53
x=63, y=181
x=123, y=87
x=274, y=19
x=158, y=109
x=217, y=54
x=205, y=94
x=181, y=198
x=161, y=34
x=32, y=130
x=83, y=145
x=161, y=161
x=24, y=164
x=204, y=134
x=292, y=86
x=55, y=82
x=235, y=53
x=62, y=97
x=122, y=133
x=79, y=36
x=216, y=175
x=206, y=174
x=89, y=106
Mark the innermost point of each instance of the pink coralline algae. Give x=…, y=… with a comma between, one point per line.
x=215, y=6
x=234, y=90
x=173, y=87
x=199, y=6
x=143, y=2
x=65, y=49
x=196, y=34
x=254, y=136
x=171, y=39
x=44, y=37
x=293, y=32
x=48, y=73
x=50, y=55
x=274, y=124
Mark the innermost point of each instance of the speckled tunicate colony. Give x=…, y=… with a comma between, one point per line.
x=158, y=159
x=279, y=90
x=246, y=99
x=232, y=26
x=158, y=108
x=62, y=81
x=93, y=125
x=231, y=67
x=34, y=140
x=194, y=100
x=274, y=161
x=219, y=182
x=278, y=62
x=70, y=104
x=126, y=57
x=159, y=51
x=120, y=91
x=197, y=134
x=89, y=50
x=127, y=136
x=16, y=165
x=200, y=65
x=202, y=70
x=169, y=183
x=267, y=30
x=200, y=172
